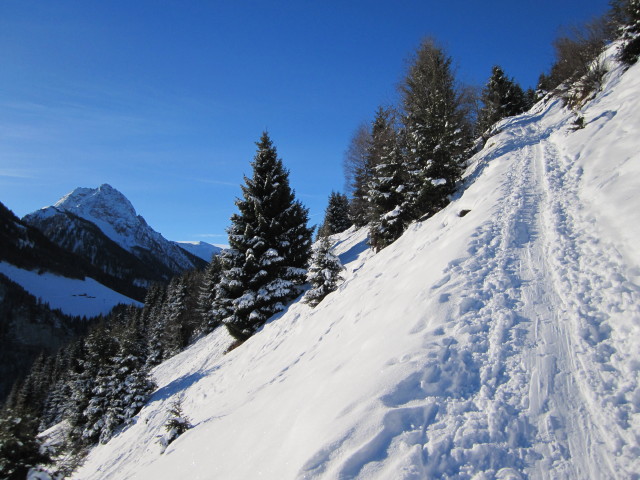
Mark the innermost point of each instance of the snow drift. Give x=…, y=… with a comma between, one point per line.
x=502, y=344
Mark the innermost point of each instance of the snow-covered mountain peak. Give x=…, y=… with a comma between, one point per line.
x=112, y=212
x=102, y=203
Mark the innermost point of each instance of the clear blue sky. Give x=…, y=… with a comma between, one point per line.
x=165, y=99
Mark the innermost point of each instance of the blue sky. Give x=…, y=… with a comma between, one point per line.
x=165, y=99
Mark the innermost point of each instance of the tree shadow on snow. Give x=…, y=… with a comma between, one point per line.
x=179, y=385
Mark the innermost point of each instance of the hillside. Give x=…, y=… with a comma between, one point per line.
x=499, y=344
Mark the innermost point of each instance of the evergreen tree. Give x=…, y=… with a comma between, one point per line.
x=155, y=323
x=295, y=246
x=176, y=424
x=152, y=304
x=59, y=392
x=229, y=287
x=101, y=347
x=324, y=272
x=386, y=189
x=81, y=382
x=336, y=215
x=174, y=313
x=19, y=447
x=530, y=98
x=357, y=171
x=129, y=384
x=628, y=13
x=544, y=86
x=270, y=244
x=633, y=15
x=207, y=296
x=501, y=97
x=32, y=393
x=435, y=128
x=625, y=16
x=108, y=379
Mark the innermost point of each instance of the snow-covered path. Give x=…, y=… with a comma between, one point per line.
x=547, y=389
x=522, y=377
x=502, y=344
x=596, y=303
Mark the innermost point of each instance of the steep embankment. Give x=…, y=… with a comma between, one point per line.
x=501, y=344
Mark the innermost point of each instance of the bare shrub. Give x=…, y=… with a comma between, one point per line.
x=577, y=49
x=587, y=86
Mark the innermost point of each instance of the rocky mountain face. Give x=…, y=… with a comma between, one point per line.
x=101, y=226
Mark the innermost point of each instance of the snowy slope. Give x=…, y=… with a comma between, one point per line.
x=502, y=344
x=72, y=296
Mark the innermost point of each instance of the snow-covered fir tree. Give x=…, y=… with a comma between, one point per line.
x=229, y=287
x=176, y=424
x=108, y=380
x=154, y=323
x=207, y=296
x=20, y=449
x=101, y=348
x=336, y=215
x=386, y=189
x=270, y=246
x=175, y=336
x=324, y=272
x=32, y=393
x=435, y=128
x=130, y=380
x=80, y=380
x=628, y=18
x=501, y=97
x=60, y=391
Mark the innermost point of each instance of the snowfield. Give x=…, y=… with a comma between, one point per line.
x=72, y=296
x=503, y=344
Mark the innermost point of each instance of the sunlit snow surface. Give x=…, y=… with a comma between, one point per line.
x=72, y=296
x=502, y=344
